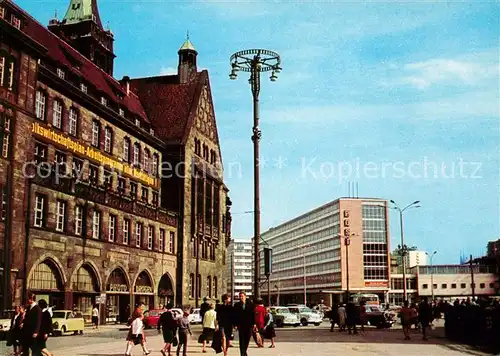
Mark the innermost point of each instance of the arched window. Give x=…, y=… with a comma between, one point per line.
x=137, y=154
x=215, y=287
x=198, y=285
x=209, y=286
x=108, y=139
x=191, y=285
x=154, y=169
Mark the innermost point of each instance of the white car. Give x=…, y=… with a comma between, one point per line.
x=195, y=317
x=64, y=321
x=306, y=315
x=283, y=316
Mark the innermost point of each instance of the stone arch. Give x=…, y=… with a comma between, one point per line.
x=166, y=286
x=148, y=273
x=92, y=268
x=55, y=265
x=120, y=269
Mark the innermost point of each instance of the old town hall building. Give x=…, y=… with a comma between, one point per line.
x=111, y=191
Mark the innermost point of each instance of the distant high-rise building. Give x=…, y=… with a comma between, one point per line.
x=240, y=268
x=416, y=258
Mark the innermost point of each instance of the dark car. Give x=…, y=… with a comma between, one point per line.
x=377, y=317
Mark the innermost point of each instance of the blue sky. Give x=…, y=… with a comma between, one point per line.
x=392, y=86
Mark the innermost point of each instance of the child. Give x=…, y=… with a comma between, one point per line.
x=184, y=329
x=136, y=334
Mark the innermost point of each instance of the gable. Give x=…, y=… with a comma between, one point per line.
x=205, y=116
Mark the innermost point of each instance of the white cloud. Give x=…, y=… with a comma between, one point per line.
x=444, y=71
x=168, y=70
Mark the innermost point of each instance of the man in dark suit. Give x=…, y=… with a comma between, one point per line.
x=31, y=327
x=244, y=320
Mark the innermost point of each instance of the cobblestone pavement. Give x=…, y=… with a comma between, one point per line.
x=311, y=341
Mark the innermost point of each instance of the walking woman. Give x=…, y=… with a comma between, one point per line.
x=45, y=328
x=184, y=330
x=168, y=325
x=342, y=316
x=208, y=326
x=406, y=319
x=95, y=317
x=136, y=334
x=15, y=329
x=224, y=322
x=269, y=332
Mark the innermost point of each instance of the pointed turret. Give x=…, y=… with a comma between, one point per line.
x=82, y=28
x=187, y=60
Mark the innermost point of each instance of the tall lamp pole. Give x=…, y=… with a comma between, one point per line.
x=403, y=246
x=432, y=272
x=256, y=61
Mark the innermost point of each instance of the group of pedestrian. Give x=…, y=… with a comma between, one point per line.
x=346, y=316
x=30, y=328
x=421, y=315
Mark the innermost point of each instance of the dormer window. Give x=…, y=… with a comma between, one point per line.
x=16, y=22
x=60, y=73
x=121, y=112
x=137, y=122
x=104, y=101
x=83, y=88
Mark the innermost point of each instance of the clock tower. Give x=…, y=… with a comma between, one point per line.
x=82, y=28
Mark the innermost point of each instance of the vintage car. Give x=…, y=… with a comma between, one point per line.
x=5, y=323
x=283, y=316
x=377, y=317
x=151, y=317
x=195, y=317
x=305, y=315
x=64, y=321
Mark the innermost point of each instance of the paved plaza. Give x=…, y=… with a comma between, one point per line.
x=311, y=341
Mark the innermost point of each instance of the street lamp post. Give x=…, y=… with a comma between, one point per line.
x=256, y=61
x=403, y=247
x=432, y=273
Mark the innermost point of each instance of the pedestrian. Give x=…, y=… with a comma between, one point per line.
x=333, y=315
x=167, y=324
x=244, y=320
x=424, y=317
x=342, y=316
x=352, y=318
x=184, y=330
x=363, y=316
x=95, y=317
x=224, y=322
x=15, y=329
x=406, y=319
x=269, y=331
x=136, y=334
x=260, y=315
x=208, y=326
x=45, y=328
x=204, y=308
x=31, y=327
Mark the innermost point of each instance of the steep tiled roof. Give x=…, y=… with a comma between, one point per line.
x=63, y=53
x=169, y=104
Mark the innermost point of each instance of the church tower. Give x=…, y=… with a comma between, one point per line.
x=187, y=61
x=82, y=28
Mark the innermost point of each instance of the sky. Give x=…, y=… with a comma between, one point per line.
x=400, y=97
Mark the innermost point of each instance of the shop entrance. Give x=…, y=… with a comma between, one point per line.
x=117, y=297
x=86, y=288
x=165, y=290
x=144, y=292
x=47, y=283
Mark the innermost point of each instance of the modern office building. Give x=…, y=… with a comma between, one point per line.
x=310, y=251
x=416, y=258
x=240, y=268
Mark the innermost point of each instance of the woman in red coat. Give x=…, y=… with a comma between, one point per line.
x=260, y=316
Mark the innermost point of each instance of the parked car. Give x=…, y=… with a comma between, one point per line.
x=305, y=315
x=283, y=316
x=5, y=323
x=195, y=317
x=64, y=321
x=377, y=317
x=151, y=318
